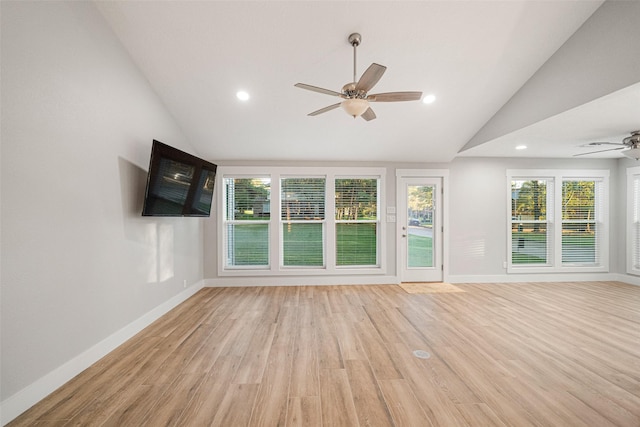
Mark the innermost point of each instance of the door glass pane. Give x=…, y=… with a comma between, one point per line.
x=420, y=223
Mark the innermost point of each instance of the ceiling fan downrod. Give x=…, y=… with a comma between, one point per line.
x=354, y=40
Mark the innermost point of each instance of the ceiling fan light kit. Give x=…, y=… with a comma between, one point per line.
x=355, y=99
x=354, y=106
x=633, y=153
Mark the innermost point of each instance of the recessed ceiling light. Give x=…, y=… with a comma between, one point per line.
x=242, y=95
x=521, y=147
x=428, y=99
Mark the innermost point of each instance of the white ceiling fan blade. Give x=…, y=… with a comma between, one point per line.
x=370, y=77
x=395, y=96
x=318, y=89
x=600, y=151
x=598, y=143
x=324, y=110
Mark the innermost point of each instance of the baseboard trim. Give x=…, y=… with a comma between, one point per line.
x=15, y=405
x=528, y=278
x=394, y=280
x=300, y=281
x=518, y=278
x=629, y=279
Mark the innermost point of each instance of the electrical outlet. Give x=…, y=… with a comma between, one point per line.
x=184, y=283
x=504, y=264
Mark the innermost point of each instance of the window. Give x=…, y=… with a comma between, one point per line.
x=558, y=221
x=324, y=221
x=302, y=215
x=530, y=225
x=633, y=220
x=246, y=217
x=357, y=221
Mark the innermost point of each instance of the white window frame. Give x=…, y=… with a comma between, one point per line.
x=554, y=221
x=275, y=235
x=633, y=221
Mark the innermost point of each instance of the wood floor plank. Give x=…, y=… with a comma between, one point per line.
x=518, y=354
x=305, y=367
x=336, y=399
x=175, y=400
x=207, y=400
x=235, y=408
x=377, y=351
x=403, y=406
x=270, y=407
x=368, y=399
x=304, y=412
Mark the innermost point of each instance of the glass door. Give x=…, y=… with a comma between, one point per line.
x=420, y=230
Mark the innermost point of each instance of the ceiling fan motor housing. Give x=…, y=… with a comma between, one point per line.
x=349, y=91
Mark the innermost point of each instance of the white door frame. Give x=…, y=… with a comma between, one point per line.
x=442, y=174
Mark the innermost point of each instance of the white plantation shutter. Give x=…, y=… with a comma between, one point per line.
x=302, y=201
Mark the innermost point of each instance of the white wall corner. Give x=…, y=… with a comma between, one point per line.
x=15, y=405
x=628, y=279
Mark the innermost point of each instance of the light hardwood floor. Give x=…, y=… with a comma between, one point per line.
x=527, y=354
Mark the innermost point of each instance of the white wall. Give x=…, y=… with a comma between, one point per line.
x=210, y=245
x=476, y=225
x=478, y=206
x=621, y=213
x=598, y=59
x=79, y=263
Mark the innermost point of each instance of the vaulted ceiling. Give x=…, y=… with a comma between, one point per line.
x=499, y=71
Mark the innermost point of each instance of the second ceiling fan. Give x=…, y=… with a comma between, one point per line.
x=355, y=97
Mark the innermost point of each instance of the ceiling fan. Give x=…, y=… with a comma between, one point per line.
x=630, y=145
x=355, y=100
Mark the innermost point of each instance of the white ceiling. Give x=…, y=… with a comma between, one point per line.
x=473, y=55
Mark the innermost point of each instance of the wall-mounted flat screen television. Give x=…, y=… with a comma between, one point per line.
x=178, y=183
